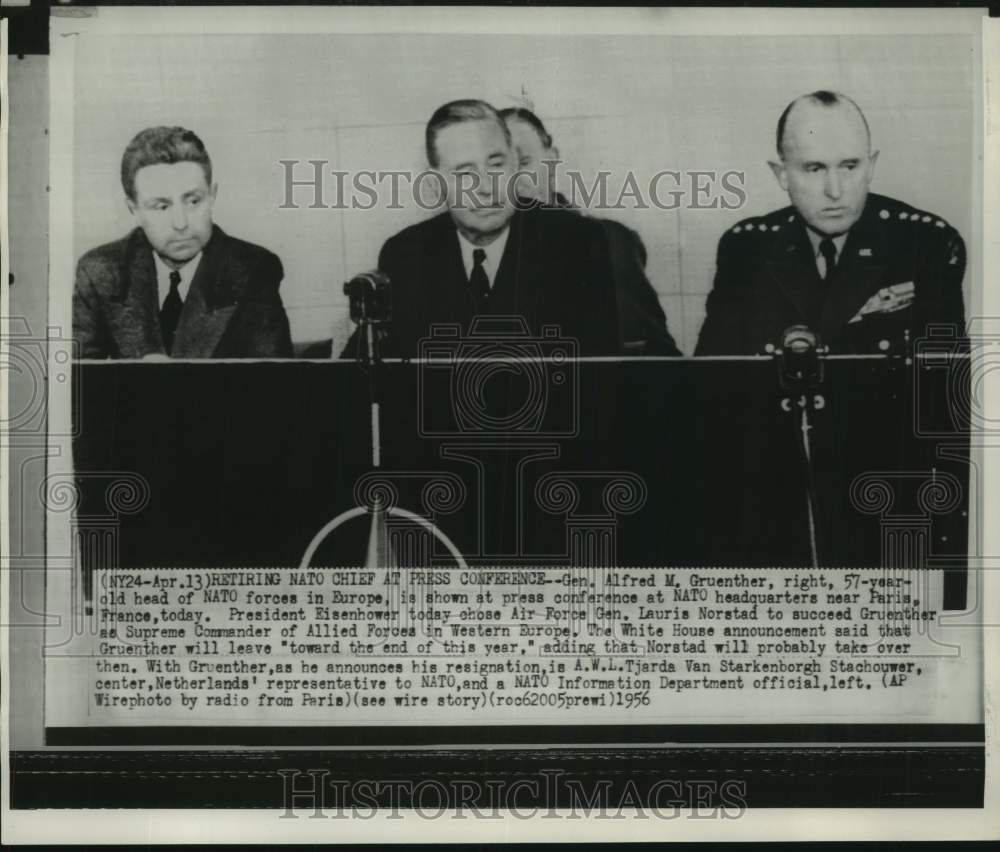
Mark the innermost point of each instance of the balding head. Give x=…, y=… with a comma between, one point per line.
x=808, y=105
x=826, y=162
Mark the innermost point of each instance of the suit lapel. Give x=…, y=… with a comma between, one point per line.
x=209, y=306
x=448, y=291
x=516, y=270
x=793, y=267
x=137, y=329
x=859, y=272
x=506, y=280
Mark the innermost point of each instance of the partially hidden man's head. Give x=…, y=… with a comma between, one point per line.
x=167, y=178
x=469, y=145
x=826, y=162
x=536, y=154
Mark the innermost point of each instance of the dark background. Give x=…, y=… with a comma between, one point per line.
x=246, y=462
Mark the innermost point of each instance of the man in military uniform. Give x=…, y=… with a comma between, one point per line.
x=867, y=272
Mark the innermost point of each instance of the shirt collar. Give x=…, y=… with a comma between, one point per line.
x=815, y=239
x=187, y=272
x=494, y=254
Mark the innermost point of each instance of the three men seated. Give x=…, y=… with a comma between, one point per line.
x=866, y=272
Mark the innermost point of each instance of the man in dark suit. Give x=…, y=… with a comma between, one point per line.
x=642, y=324
x=484, y=257
x=177, y=285
x=867, y=272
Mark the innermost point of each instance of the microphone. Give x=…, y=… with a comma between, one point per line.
x=370, y=295
x=801, y=369
x=800, y=374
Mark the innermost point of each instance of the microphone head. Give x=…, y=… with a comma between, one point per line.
x=800, y=367
x=370, y=295
x=799, y=340
x=371, y=279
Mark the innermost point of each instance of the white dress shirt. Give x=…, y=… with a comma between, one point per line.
x=838, y=244
x=494, y=254
x=163, y=271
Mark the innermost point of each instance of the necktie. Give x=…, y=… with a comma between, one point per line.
x=170, y=312
x=829, y=252
x=480, y=283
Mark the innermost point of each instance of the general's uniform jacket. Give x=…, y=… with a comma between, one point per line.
x=232, y=309
x=899, y=271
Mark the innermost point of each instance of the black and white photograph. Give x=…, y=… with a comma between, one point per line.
x=456, y=423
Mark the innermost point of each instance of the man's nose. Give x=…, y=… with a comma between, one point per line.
x=487, y=184
x=833, y=187
x=179, y=217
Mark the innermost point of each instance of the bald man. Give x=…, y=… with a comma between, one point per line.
x=867, y=272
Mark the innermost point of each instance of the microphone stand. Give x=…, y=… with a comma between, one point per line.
x=370, y=302
x=374, y=360
x=370, y=297
x=804, y=427
x=801, y=376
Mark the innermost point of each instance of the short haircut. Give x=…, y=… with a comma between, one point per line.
x=168, y=145
x=457, y=112
x=823, y=98
x=528, y=117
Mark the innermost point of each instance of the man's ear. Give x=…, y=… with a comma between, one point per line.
x=214, y=190
x=871, y=167
x=778, y=167
x=130, y=204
